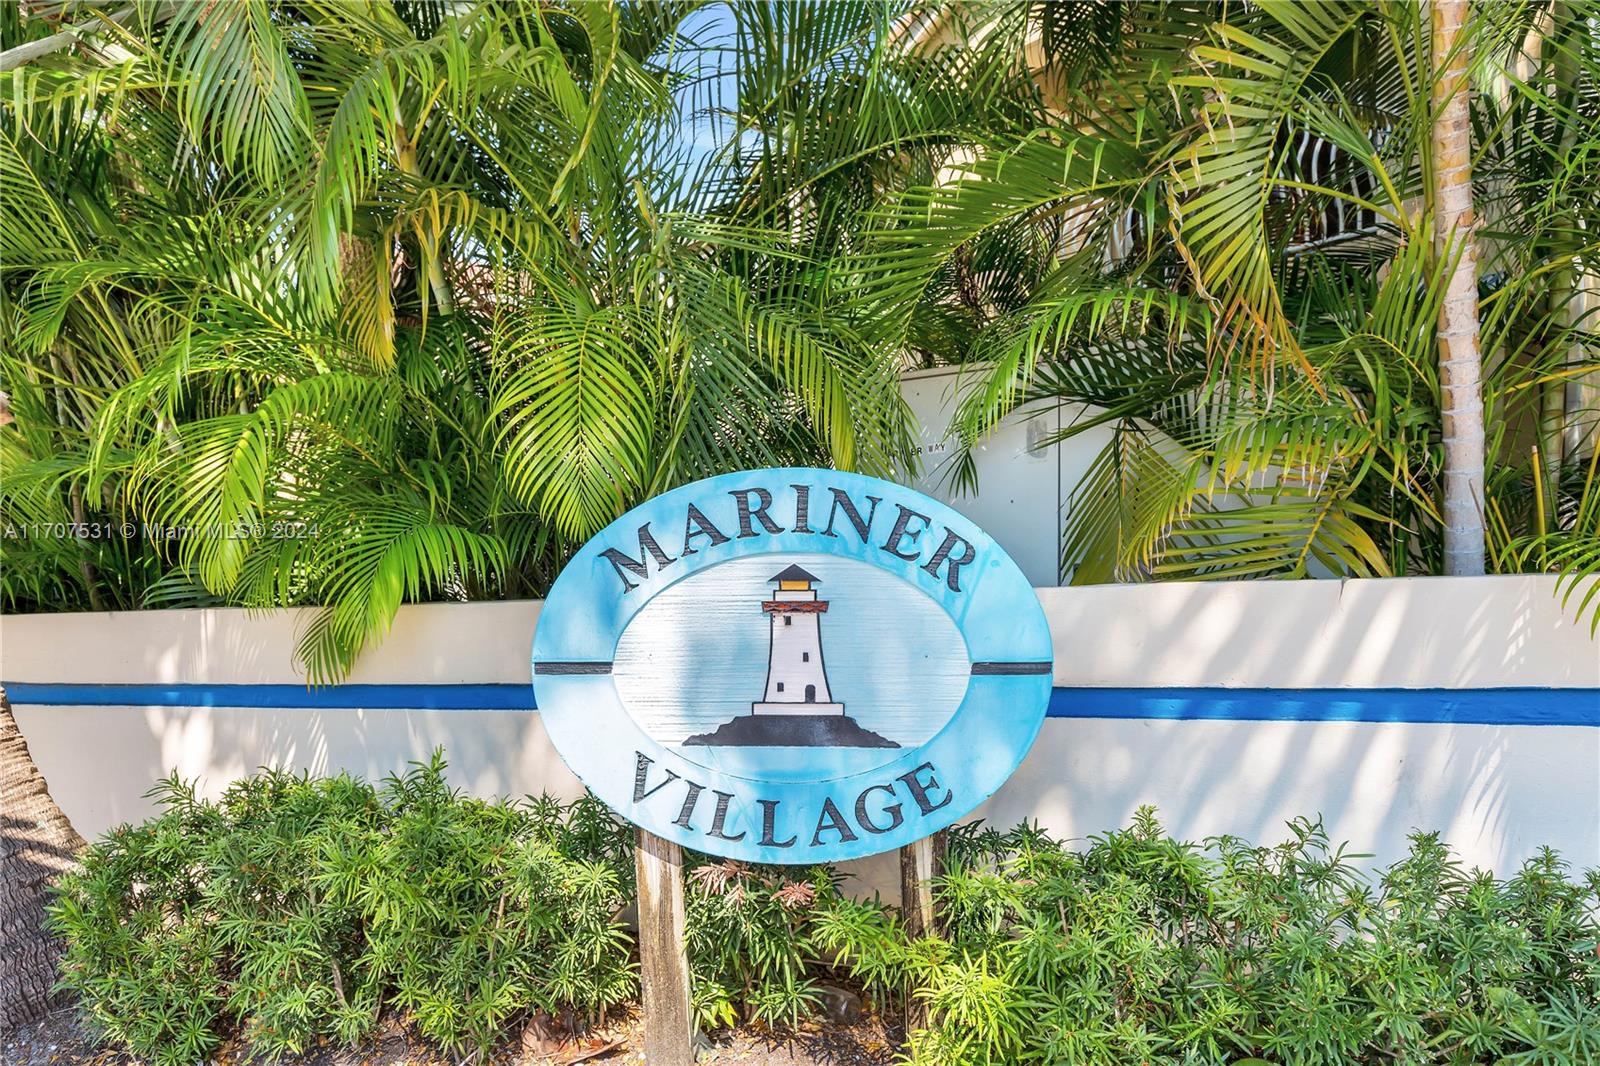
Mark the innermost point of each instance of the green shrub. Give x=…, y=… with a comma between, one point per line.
x=749, y=940
x=294, y=948
x=477, y=911
x=1145, y=949
x=293, y=910
x=139, y=951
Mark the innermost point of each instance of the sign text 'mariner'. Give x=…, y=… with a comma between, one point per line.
x=879, y=808
x=747, y=513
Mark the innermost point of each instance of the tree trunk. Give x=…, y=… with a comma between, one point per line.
x=1460, y=362
x=36, y=843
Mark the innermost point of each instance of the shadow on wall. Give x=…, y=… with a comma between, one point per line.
x=1405, y=633
x=1495, y=793
x=101, y=783
x=1372, y=784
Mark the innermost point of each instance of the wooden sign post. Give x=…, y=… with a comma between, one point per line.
x=663, y=953
x=920, y=862
x=786, y=666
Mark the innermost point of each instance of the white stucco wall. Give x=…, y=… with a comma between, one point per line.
x=1497, y=792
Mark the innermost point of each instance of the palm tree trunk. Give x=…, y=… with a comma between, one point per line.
x=36, y=843
x=1460, y=361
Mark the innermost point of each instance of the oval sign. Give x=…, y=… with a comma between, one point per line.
x=792, y=666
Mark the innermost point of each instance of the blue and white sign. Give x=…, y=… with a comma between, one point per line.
x=792, y=666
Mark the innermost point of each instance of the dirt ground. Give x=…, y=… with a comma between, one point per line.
x=58, y=1040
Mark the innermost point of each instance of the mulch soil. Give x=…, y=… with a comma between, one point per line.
x=59, y=1040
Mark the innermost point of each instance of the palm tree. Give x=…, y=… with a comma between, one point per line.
x=1221, y=213
x=36, y=844
x=1460, y=364
x=403, y=301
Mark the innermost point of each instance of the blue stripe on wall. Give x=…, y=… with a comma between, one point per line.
x=1480, y=706
x=1469, y=706
x=330, y=697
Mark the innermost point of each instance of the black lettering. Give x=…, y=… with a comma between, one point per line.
x=769, y=818
x=863, y=526
x=832, y=819
x=900, y=532
x=802, y=509
x=698, y=525
x=893, y=811
x=647, y=546
x=943, y=553
x=686, y=812
x=919, y=790
x=759, y=512
x=720, y=816
x=641, y=769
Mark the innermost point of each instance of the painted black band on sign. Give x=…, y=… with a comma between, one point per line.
x=1011, y=669
x=572, y=668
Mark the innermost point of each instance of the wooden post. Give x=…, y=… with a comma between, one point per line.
x=920, y=862
x=917, y=871
x=663, y=956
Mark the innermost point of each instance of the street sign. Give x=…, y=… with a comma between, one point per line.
x=792, y=666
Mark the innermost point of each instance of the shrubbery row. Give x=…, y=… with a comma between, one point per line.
x=294, y=909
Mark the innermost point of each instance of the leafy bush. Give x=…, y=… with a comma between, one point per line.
x=140, y=954
x=297, y=908
x=293, y=910
x=749, y=940
x=477, y=911
x=295, y=970
x=1146, y=949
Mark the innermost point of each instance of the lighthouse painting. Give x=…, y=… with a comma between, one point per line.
x=797, y=709
x=797, y=679
x=798, y=650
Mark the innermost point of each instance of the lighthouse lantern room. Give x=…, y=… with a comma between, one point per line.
x=797, y=682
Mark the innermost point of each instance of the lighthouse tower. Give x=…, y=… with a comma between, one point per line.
x=796, y=680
